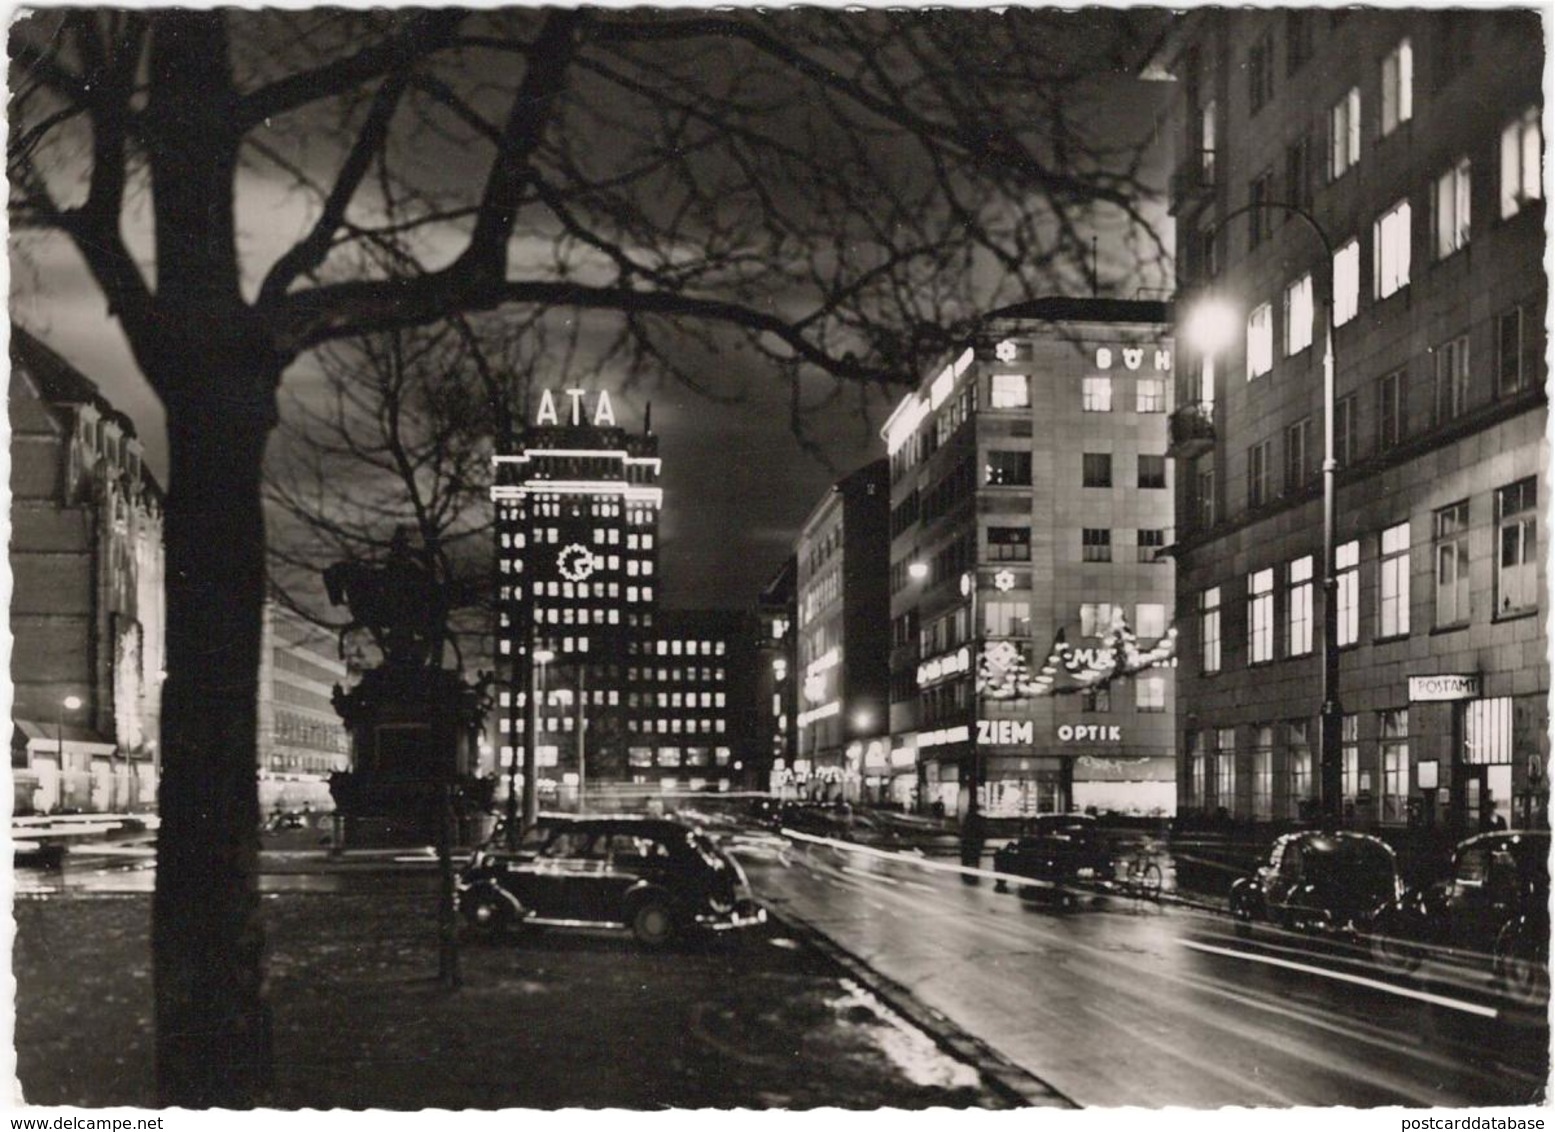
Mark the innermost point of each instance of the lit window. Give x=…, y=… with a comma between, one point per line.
x=1522, y=162
x=1393, y=583
x=1450, y=210
x=1452, y=565
x=1096, y=394
x=1350, y=748
x=1095, y=544
x=1260, y=341
x=1344, y=134
x=1298, y=316
x=1150, y=693
x=1095, y=618
x=1298, y=607
x=1398, y=82
x=1010, y=391
x=1225, y=769
x=1009, y=544
x=1263, y=772
x=1390, y=251
x=1517, y=547
x=1209, y=630
x=1452, y=378
x=1298, y=767
x=1393, y=740
x=1150, y=395
x=1260, y=616
x=1150, y=621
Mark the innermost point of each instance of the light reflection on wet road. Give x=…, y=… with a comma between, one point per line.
x=1121, y=1002
x=1112, y=1001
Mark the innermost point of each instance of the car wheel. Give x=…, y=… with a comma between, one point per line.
x=653, y=924
x=1520, y=970
x=486, y=911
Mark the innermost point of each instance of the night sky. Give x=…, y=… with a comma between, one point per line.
x=738, y=484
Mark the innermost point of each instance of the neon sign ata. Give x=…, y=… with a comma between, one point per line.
x=604, y=412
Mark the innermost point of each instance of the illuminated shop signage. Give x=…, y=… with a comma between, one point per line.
x=952, y=664
x=1006, y=732
x=903, y=756
x=604, y=413
x=1089, y=733
x=1133, y=357
x=1433, y=689
x=943, y=736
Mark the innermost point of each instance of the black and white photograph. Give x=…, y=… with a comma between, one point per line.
x=756, y=561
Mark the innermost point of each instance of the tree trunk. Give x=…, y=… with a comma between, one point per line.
x=212, y=1025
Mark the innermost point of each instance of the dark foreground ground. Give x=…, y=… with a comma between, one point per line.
x=554, y=1020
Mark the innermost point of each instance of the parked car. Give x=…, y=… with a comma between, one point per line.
x=1492, y=907
x=652, y=876
x=1318, y=881
x=1061, y=849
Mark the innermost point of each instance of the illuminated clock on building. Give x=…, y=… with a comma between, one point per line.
x=576, y=562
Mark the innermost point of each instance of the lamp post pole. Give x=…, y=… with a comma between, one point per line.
x=1331, y=713
x=69, y=703
x=578, y=725
x=972, y=829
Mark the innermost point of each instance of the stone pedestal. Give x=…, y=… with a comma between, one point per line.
x=413, y=735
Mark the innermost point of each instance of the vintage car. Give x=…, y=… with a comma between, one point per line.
x=1062, y=849
x=1318, y=881
x=1493, y=908
x=652, y=876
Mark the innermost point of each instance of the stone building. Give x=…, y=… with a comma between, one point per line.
x=87, y=614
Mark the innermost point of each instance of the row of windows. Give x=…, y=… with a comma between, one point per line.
x=1452, y=395
x=1096, y=394
x=1096, y=545
x=679, y=647
x=1149, y=696
x=1515, y=582
x=676, y=756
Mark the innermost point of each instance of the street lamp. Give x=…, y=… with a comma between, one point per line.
x=69, y=703
x=972, y=828
x=1211, y=327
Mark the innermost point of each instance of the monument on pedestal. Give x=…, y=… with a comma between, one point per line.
x=413, y=724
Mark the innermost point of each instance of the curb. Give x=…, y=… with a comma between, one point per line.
x=1000, y=1075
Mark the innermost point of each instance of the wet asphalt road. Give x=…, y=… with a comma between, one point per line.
x=1115, y=1001
x=1112, y=1001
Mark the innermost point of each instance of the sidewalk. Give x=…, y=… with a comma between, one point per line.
x=551, y=1020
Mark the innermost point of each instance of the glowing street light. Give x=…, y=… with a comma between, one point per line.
x=1211, y=327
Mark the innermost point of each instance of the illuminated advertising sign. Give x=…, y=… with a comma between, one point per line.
x=1006, y=732
x=1133, y=357
x=604, y=413
x=1089, y=733
x=952, y=664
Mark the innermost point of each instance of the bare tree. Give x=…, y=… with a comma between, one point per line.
x=842, y=189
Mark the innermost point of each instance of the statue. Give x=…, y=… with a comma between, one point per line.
x=400, y=603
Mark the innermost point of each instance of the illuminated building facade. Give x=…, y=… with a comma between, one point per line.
x=777, y=689
x=1412, y=139
x=840, y=646
x=87, y=614
x=1030, y=605
x=692, y=724
x=577, y=529
x=301, y=737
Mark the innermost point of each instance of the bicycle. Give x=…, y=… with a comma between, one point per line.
x=1141, y=874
